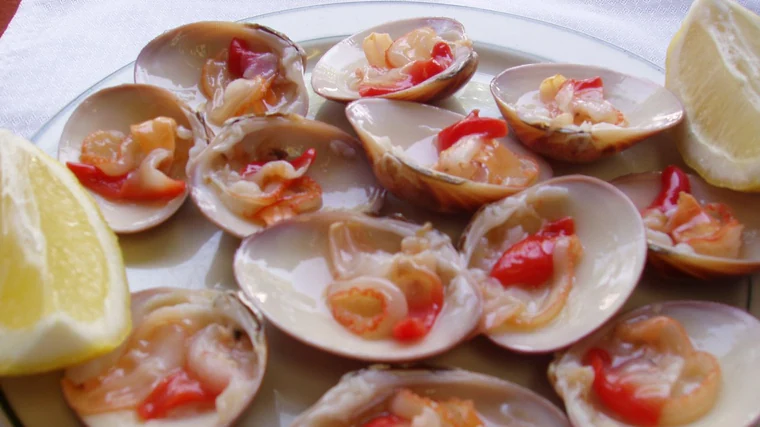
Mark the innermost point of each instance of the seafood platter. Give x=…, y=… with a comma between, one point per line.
x=404, y=227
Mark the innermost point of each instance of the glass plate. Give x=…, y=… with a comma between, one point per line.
x=201, y=254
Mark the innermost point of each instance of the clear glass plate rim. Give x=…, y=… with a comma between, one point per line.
x=87, y=91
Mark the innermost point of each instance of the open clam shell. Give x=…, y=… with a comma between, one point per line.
x=399, y=139
x=643, y=188
x=362, y=394
x=611, y=232
x=200, y=314
x=726, y=332
x=340, y=168
x=330, y=77
x=117, y=108
x=174, y=60
x=289, y=283
x=648, y=107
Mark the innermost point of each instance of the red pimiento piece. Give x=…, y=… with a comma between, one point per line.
x=473, y=124
x=592, y=83
x=305, y=159
x=419, y=71
x=530, y=262
x=424, y=308
x=385, y=421
x=175, y=390
x=621, y=398
x=674, y=181
x=240, y=57
x=121, y=187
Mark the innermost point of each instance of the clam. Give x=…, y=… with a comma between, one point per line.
x=593, y=250
x=736, y=259
x=367, y=288
x=429, y=397
x=592, y=127
x=194, y=358
x=698, y=361
x=400, y=139
x=227, y=69
x=250, y=176
x=338, y=74
x=117, y=129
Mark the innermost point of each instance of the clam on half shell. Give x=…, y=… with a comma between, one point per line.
x=363, y=394
x=174, y=60
x=643, y=188
x=330, y=77
x=224, y=347
x=648, y=107
x=731, y=335
x=611, y=232
x=399, y=139
x=340, y=168
x=117, y=108
x=289, y=284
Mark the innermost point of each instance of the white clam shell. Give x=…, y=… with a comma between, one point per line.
x=331, y=74
x=117, y=108
x=287, y=282
x=648, y=107
x=643, y=188
x=398, y=137
x=174, y=60
x=340, y=167
x=728, y=333
x=614, y=253
x=225, y=305
x=498, y=402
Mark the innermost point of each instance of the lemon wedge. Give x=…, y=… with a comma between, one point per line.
x=63, y=289
x=713, y=66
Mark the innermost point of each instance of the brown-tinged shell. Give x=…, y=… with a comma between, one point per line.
x=648, y=107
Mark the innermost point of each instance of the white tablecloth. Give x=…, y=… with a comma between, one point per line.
x=55, y=49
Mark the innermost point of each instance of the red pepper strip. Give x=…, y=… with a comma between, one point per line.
x=674, y=181
x=473, y=124
x=420, y=318
x=175, y=390
x=621, y=398
x=240, y=57
x=305, y=159
x=592, y=83
x=529, y=262
x=385, y=421
x=419, y=71
x=120, y=187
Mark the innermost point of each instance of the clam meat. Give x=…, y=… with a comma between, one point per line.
x=194, y=358
x=580, y=113
x=554, y=262
x=368, y=288
x=664, y=365
x=692, y=227
x=227, y=69
x=262, y=169
x=129, y=146
x=441, y=160
x=420, y=59
x=400, y=397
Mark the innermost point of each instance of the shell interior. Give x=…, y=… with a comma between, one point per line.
x=203, y=306
x=330, y=76
x=728, y=333
x=117, y=108
x=614, y=253
x=497, y=402
x=340, y=167
x=288, y=283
